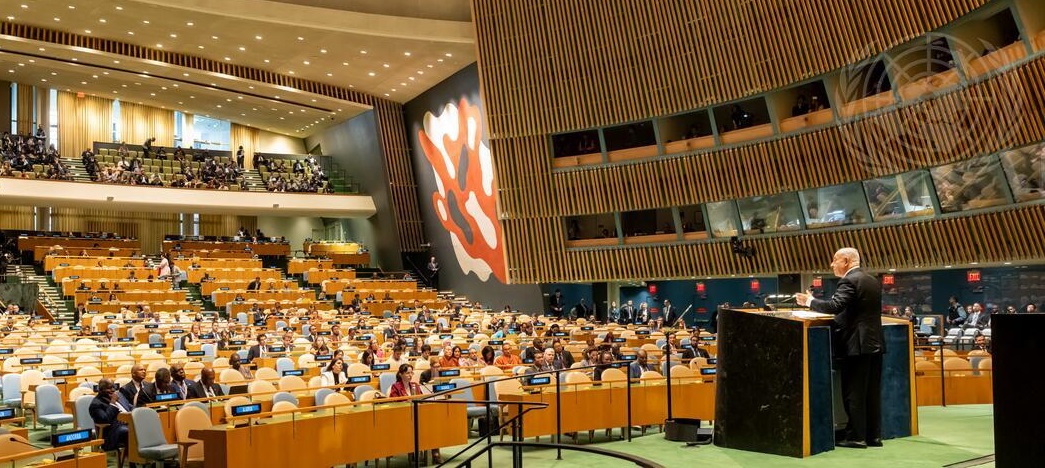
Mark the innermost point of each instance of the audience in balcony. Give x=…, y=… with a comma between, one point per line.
x=303, y=175
x=131, y=170
x=29, y=156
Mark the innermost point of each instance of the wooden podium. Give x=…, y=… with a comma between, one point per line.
x=777, y=392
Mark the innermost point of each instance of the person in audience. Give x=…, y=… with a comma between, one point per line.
x=675, y=349
x=955, y=312
x=563, y=358
x=605, y=361
x=800, y=107
x=539, y=364
x=537, y=347
x=978, y=318
x=254, y=285
x=591, y=357
x=105, y=409
x=334, y=374
x=405, y=386
x=367, y=358
x=398, y=358
x=179, y=383
x=205, y=387
x=452, y=358
x=466, y=359
x=288, y=341
x=507, y=359
x=135, y=390
x=161, y=383
x=640, y=364
x=259, y=349
x=236, y=363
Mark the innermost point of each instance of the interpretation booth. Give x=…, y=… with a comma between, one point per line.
x=777, y=392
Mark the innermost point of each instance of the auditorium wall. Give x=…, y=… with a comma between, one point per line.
x=355, y=147
x=457, y=192
x=269, y=142
x=5, y=105
x=295, y=228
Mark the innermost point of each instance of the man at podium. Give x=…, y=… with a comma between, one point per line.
x=857, y=307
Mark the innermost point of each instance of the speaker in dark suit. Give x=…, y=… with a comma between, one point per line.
x=857, y=307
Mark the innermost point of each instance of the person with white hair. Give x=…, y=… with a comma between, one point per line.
x=857, y=307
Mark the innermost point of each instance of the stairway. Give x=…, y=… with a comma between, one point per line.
x=254, y=181
x=49, y=293
x=76, y=168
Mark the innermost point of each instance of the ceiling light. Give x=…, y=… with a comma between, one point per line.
x=76, y=59
x=253, y=108
x=257, y=37
x=174, y=35
x=322, y=51
x=105, y=73
x=25, y=6
x=393, y=90
x=152, y=94
x=291, y=72
x=190, y=23
x=228, y=99
x=102, y=20
x=419, y=72
x=362, y=52
x=94, y=76
x=372, y=74
x=281, y=118
x=228, y=58
x=184, y=74
x=159, y=46
x=449, y=55
x=386, y=94
x=410, y=78
x=219, y=106
x=114, y=92
x=406, y=54
x=43, y=79
x=12, y=18
x=439, y=60
x=54, y=73
x=163, y=88
x=305, y=62
x=344, y=63
x=57, y=18
x=192, y=97
x=241, y=48
x=42, y=49
x=199, y=47
x=1006, y=263
x=82, y=82
x=330, y=74
x=402, y=84
x=266, y=60
x=179, y=102
x=214, y=37
x=10, y=71
x=312, y=101
x=974, y=263
x=300, y=38
x=385, y=65
x=119, y=7
x=88, y=31
x=130, y=32
x=250, y=87
x=145, y=21
x=429, y=66
x=124, y=85
x=115, y=61
x=71, y=7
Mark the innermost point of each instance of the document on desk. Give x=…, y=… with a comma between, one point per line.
x=808, y=314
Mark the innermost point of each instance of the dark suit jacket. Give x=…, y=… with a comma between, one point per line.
x=128, y=390
x=671, y=315
x=253, y=353
x=254, y=285
x=196, y=390
x=857, y=307
x=102, y=412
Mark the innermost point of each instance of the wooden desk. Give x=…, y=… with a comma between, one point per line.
x=350, y=259
x=227, y=263
x=319, y=276
x=997, y=59
x=329, y=437
x=41, y=251
x=681, y=146
x=143, y=296
x=210, y=286
x=299, y=266
x=223, y=298
x=114, y=307
x=278, y=249
x=746, y=134
x=29, y=243
x=961, y=389
x=60, y=273
x=69, y=285
x=324, y=248
x=182, y=254
x=54, y=261
x=194, y=275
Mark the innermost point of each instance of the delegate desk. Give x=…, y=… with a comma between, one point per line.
x=42, y=251
x=350, y=259
x=228, y=285
x=341, y=435
x=276, y=249
x=54, y=261
x=70, y=285
x=182, y=255
x=29, y=243
x=223, y=298
x=79, y=272
x=319, y=276
x=776, y=390
x=299, y=266
x=196, y=274
x=604, y=405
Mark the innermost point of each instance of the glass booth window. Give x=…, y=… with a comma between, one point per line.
x=692, y=219
x=597, y=226
x=212, y=134
x=722, y=217
x=969, y=185
x=905, y=195
x=837, y=205
x=1026, y=172
x=647, y=222
x=763, y=215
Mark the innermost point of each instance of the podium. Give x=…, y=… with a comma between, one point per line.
x=777, y=392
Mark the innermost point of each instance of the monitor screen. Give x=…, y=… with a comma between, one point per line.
x=629, y=357
x=441, y=387
x=445, y=336
x=385, y=366
x=542, y=380
x=324, y=357
x=324, y=333
x=587, y=328
x=62, y=439
x=177, y=331
x=707, y=338
x=237, y=343
x=7, y=350
x=246, y=410
x=207, y=336
x=109, y=317
x=642, y=332
x=166, y=396
x=277, y=349
x=97, y=333
x=359, y=379
x=294, y=372
x=559, y=334
x=76, y=328
x=496, y=342
x=63, y=372
x=528, y=361
x=7, y=413
x=449, y=372
x=712, y=360
x=195, y=353
x=620, y=340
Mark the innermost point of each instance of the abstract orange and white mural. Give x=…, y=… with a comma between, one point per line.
x=465, y=200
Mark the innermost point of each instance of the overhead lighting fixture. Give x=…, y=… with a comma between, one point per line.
x=393, y=90
x=12, y=18
x=291, y=72
x=199, y=46
x=406, y=54
x=439, y=60
x=330, y=74
x=119, y=7
x=57, y=18
x=449, y=55
x=152, y=94
x=102, y=20
x=257, y=37
x=266, y=60
x=386, y=95
x=145, y=21
x=300, y=38
x=372, y=74
x=214, y=37
x=25, y=6
x=410, y=78
x=344, y=63
x=87, y=31
x=241, y=48
x=130, y=32
x=228, y=58
x=322, y=51
x=190, y=23
x=174, y=35
x=362, y=52
x=159, y=46
x=305, y=62
x=115, y=61
x=82, y=82
x=429, y=66
x=385, y=65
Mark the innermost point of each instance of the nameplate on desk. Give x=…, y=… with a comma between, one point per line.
x=74, y=277
x=430, y=321
x=935, y=343
x=152, y=325
x=30, y=361
x=334, y=322
x=445, y=336
x=366, y=337
x=10, y=350
x=125, y=339
x=157, y=345
x=437, y=388
x=324, y=333
x=542, y=380
x=63, y=373
x=359, y=379
x=708, y=370
x=195, y=354
x=527, y=361
x=324, y=357
x=130, y=321
x=560, y=334
x=63, y=264
x=513, y=330
x=109, y=317
x=237, y=343
x=712, y=360
x=365, y=327
x=62, y=439
x=450, y=373
x=381, y=367
x=620, y=340
x=277, y=349
x=7, y=413
x=76, y=328
x=496, y=342
x=207, y=336
x=166, y=396
x=259, y=323
x=223, y=288
x=364, y=312
x=538, y=324
x=587, y=328
x=98, y=333
x=466, y=351
x=177, y=331
x=707, y=338
x=294, y=372
x=246, y=410
x=56, y=323
x=642, y=332
x=629, y=357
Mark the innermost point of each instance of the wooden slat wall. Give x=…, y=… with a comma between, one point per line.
x=148, y=227
x=1011, y=235
x=561, y=65
x=227, y=225
x=402, y=187
x=16, y=217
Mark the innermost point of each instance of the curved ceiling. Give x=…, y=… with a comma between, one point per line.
x=384, y=55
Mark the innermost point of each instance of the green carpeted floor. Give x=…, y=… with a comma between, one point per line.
x=947, y=435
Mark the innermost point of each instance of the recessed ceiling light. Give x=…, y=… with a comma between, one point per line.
x=43, y=79
x=449, y=55
x=974, y=263
x=300, y=38
x=372, y=74
x=174, y=35
x=214, y=37
x=192, y=97
x=344, y=63
x=266, y=60
x=312, y=101
x=257, y=37
x=250, y=87
x=105, y=73
x=291, y=72
x=145, y=21
x=402, y=84
x=10, y=71
x=406, y=54
x=114, y=92
x=152, y=94
x=163, y=88
x=429, y=66
x=1007, y=263
x=57, y=18
x=115, y=61
x=190, y=23
x=419, y=72
x=947, y=266
x=87, y=31
x=42, y=49
x=322, y=51
x=219, y=106
x=25, y=6
x=34, y=61
x=385, y=65
x=228, y=58
x=124, y=85
x=410, y=78
x=386, y=94
x=54, y=73
x=253, y=108
x=305, y=62
x=439, y=60
x=130, y=32
x=12, y=18
x=281, y=118
x=82, y=82
x=94, y=76
x=241, y=48
x=76, y=59
x=180, y=102
x=119, y=7
x=199, y=47
x=393, y=90
x=159, y=46
x=228, y=99
x=362, y=52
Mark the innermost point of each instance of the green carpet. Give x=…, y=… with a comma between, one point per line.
x=947, y=435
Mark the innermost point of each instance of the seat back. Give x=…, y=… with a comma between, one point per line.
x=82, y=404
x=387, y=379
x=266, y=373
x=48, y=400
x=187, y=419
x=147, y=428
x=231, y=375
x=322, y=394
x=12, y=386
x=261, y=389
x=611, y=375
x=336, y=399
x=577, y=377
x=283, y=406
x=357, y=369
x=234, y=401
x=368, y=395
x=291, y=383
x=360, y=390
x=284, y=364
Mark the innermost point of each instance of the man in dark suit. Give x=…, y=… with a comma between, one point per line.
x=254, y=285
x=259, y=349
x=556, y=302
x=670, y=314
x=978, y=318
x=627, y=313
x=134, y=391
x=205, y=387
x=857, y=307
x=105, y=409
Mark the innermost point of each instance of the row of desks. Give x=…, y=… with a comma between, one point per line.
x=223, y=298
x=55, y=261
x=194, y=275
x=276, y=249
x=111, y=273
x=70, y=285
x=42, y=251
x=30, y=243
